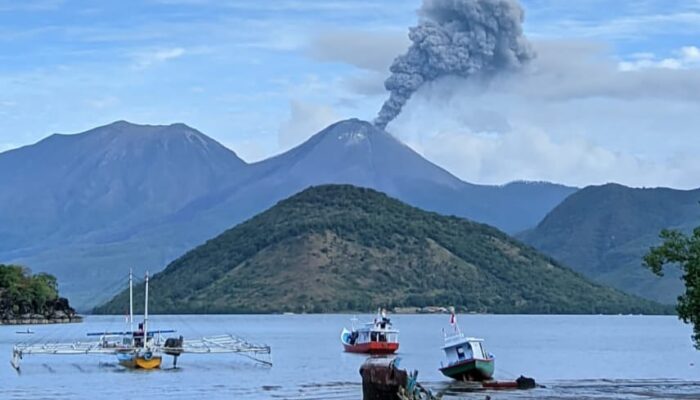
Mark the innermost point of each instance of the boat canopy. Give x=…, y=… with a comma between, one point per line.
x=466, y=348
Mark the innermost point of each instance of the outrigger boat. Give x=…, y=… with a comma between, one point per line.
x=377, y=337
x=467, y=359
x=142, y=348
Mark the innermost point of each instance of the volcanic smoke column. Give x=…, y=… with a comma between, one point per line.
x=456, y=37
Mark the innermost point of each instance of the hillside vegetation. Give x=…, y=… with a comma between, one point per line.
x=342, y=248
x=604, y=231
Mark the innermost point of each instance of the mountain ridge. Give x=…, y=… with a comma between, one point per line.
x=141, y=195
x=603, y=232
x=336, y=248
x=119, y=169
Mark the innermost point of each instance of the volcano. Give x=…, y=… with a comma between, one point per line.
x=356, y=152
x=138, y=195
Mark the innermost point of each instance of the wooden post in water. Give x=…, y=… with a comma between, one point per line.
x=381, y=379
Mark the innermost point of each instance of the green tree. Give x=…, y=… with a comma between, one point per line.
x=43, y=288
x=19, y=287
x=684, y=251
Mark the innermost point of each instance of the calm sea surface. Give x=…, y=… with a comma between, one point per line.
x=575, y=357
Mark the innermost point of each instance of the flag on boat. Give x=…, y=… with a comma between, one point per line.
x=453, y=319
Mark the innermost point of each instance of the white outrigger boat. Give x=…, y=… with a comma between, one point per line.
x=143, y=348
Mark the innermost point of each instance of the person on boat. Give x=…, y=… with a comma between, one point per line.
x=138, y=336
x=384, y=321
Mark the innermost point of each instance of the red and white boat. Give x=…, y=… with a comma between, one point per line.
x=377, y=337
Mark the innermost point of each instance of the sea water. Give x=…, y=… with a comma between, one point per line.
x=574, y=357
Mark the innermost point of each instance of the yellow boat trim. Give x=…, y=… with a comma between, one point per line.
x=153, y=363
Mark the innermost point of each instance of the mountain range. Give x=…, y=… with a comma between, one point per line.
x=604, y=231
x=337, y=248
x=86, y=207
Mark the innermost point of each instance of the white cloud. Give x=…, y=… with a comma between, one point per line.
x=535, y=155
x=149, y=58
x=305, y=120
x=685, y=57
x=369, y=50
x=626, y=27
x=103, y=102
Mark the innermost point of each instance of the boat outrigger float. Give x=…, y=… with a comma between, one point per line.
x=143, y=348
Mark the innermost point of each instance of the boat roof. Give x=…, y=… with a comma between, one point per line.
x=372, y=328
x=459, y=339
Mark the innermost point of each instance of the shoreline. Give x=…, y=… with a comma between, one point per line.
x=42, y=320
x=356, y=313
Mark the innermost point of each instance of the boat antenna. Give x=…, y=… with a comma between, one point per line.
x=131, y=301
x=145, y=314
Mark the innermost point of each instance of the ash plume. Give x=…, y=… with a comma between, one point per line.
x=456, y=37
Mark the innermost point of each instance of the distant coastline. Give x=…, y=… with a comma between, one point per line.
x=38, y=319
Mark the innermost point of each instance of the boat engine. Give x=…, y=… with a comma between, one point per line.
x=173, y=347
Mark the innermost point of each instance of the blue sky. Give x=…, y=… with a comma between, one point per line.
x=612, y=97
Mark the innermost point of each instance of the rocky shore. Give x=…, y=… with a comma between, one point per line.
x=55, y=312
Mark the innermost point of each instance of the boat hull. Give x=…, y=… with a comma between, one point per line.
x=152, y=363
x=470, y=370
x=372, y=348
x=134, y=361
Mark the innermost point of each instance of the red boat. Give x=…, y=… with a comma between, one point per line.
x=377, y=337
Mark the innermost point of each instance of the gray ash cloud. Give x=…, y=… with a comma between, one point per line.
x=456, y=37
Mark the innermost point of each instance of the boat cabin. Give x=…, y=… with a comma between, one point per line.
x=380, y=330
x=460, y=348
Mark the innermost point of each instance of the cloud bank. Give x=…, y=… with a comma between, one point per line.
x=577, y=116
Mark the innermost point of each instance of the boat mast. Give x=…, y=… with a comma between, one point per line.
x=145, y=315
x=131, y=301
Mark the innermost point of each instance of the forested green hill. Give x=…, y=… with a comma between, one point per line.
x=343, y=248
